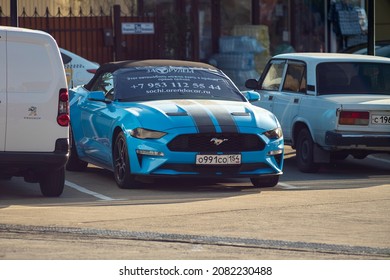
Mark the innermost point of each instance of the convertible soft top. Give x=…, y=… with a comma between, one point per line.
x=113, y=66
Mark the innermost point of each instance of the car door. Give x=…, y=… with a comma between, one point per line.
x=97, y=118
x=270, y=83
x=286, y=102
x=3, y=93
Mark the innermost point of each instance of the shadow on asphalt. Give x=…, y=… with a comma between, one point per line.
x=347, y=174
x=157, y=191
x=348, y=168
x=181, y=184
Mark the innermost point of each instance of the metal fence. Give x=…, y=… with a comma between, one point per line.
x=97, y=37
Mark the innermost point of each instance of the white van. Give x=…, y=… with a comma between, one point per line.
x=34, y=109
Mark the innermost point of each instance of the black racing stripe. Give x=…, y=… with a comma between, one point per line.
x=223, y=116
x=200, y=116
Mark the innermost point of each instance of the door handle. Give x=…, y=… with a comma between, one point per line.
x=296, y=100
x=270, y=97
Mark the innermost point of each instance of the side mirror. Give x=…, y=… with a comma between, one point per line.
x=252, y=84
x=252, y=96
x=98, y=96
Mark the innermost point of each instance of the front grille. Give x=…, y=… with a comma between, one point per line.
x=206, y=142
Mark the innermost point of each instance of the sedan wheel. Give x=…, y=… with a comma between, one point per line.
x=305, y=152
x=122, y=172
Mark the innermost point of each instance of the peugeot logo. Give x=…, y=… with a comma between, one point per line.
x=218, y=141
x=32, y=111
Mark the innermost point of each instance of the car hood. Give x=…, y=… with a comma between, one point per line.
x=202, y=115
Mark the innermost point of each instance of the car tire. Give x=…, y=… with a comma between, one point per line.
x=305, y=152
x=74, y=163
x=265, y=181
x=52, y=182
x=122, y=172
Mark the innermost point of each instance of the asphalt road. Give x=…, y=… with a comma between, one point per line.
x=342, y=212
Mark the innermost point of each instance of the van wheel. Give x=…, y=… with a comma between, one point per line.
x=52, y=182
x=265, y=181
x=122, y=173
x=74, y=162
x=305, y=152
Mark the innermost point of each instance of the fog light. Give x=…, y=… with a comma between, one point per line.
x=149, y=153
x=275, y=152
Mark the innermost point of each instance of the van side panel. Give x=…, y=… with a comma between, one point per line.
x=3, y=96
x=35, y=76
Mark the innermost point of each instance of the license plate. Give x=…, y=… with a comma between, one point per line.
x=380, y=119
x=229, y=159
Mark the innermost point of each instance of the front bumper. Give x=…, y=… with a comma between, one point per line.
x=181, y=163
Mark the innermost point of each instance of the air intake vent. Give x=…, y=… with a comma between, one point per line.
x=216, y=142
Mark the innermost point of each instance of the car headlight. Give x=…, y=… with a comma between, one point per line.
x=142, y=133
x=274, y=133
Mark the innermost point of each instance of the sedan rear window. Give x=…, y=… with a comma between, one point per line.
x=353, y=78
x=172, y=82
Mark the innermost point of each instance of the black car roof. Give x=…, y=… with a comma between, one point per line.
x=113, y=66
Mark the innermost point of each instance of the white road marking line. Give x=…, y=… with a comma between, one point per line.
x=85, y=190
x=290, y=187
x=379, y=159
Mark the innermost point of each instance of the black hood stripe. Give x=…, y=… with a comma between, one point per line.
x=202, y=119
x=222, y=115
x=200, y=111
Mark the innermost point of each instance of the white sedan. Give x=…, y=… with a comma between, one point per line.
x=329, y=105
x=79, y=71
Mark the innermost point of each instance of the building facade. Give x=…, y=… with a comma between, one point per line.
x=193, y=28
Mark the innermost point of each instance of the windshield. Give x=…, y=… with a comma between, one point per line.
x=353, y=77
x=169, y=82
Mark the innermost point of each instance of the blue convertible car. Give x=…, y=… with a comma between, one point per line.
x=172, y=118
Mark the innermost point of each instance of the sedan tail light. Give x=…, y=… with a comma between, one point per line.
x=63, y=117
x=354, y=118
x=92, y=71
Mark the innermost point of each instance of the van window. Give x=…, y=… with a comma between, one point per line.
x=29, y=68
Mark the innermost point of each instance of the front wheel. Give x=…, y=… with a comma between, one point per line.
x=265, y=181
x=52, y=182
x=122, y=172
x=305, y=152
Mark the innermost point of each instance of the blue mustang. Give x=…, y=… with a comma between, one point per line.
x=172, y=118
